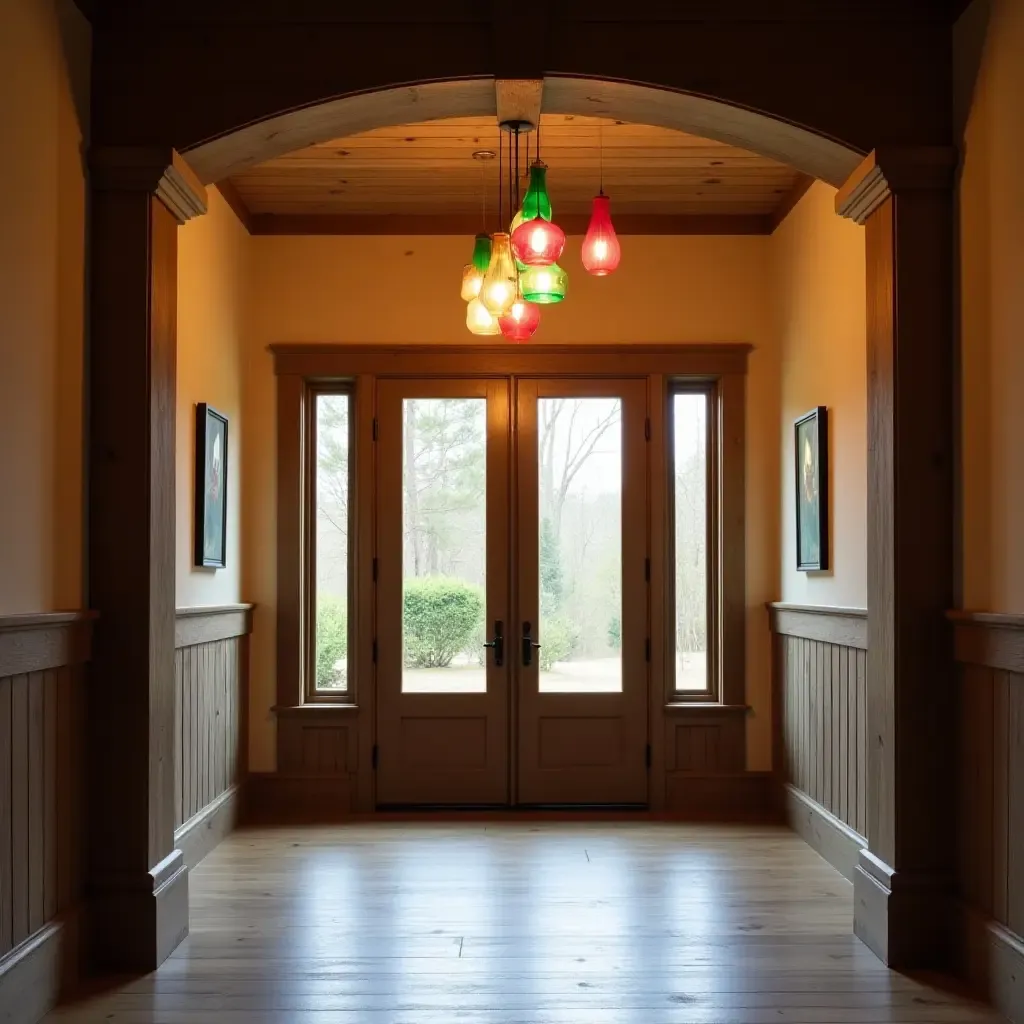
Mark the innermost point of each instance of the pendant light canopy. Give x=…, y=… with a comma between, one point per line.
x=537, y=242
x=499, y=288
x=601, y=249
x=479, y=321
x=544, y=285
x=473, y=272
x=520, y=322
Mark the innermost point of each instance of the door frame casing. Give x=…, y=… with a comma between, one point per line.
x=300, y=367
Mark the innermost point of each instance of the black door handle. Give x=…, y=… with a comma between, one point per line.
x=528, y=645
x=498, y=643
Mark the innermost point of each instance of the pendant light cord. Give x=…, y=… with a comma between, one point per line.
x=600, y=155
x=500, y=174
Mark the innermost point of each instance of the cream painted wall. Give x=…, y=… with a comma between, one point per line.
x=44, y=103
x=387, y=289
x=989, y=51
x=213, y=260
x=818, y=262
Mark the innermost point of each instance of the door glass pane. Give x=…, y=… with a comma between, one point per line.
x=579, y=443
x=332, y=503
x=690, y=458
x=444, y=504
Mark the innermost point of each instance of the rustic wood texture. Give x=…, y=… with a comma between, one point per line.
x=40, y=799
x=428, y=169
x=819, y=689
x=34, y=643
x=541, y=920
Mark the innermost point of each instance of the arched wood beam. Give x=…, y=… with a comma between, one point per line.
x=801, y=148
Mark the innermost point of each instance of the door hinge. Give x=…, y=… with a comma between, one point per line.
x=375, y=428
x=647, y=429
x=647, y=570
x=647, y=649
x=374, y=756
x=375, y=651
x=374, y=568
x=647, y=756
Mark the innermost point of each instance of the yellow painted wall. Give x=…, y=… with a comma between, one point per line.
x=44, y=102
x=387, y=289
x=213, y=255
x=989, y=49
x=819, y=280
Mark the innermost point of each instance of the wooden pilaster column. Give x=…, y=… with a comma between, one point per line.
x=902, y=885
x=138, y=883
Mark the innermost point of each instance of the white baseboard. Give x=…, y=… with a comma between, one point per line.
x=992, y=957
x=823, y=832
x=205, y=830
x=33, y=974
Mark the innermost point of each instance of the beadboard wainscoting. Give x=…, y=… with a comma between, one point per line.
x=211, y=679
x=42, y=668
x=818, y=688
x=990, y=760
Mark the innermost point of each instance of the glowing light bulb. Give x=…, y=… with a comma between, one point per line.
x=601, y=250
x=473, y=272
x=479, y=320
x=521, y=321
x=544, y=285
x=499, y=288
x=537, y=243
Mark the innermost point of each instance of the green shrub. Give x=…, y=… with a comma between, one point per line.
x=331, y=641
x=615, y=633
x=440, y=617
x=558, y=641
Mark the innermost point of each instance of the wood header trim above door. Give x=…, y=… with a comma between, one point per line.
x=160, y=171
x=893, y=169
x=470, y=360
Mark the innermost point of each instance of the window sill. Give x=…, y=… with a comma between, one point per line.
x=706, y=707
x=311, y=710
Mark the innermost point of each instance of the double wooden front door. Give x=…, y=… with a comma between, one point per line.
x=512, y=605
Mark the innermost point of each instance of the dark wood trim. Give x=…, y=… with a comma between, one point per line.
x=847, y=627
x=989, y=639
x=740, y=796
x=229, y=193
x=163, y=173
x=731, y=467
x=204, y=625
x=833, y=839
x=891, y=169
x=35, y=643
x=791, y=200
x=274, y=797
x=291, y=545
x=348, y=361
x=432, y=224
x=203, y=832
x=317, y=712
x=706, y=709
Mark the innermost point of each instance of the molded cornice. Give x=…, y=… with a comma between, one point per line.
x=890, y=170
x=162, y=172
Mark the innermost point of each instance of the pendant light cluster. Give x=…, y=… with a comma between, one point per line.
x=515, y=272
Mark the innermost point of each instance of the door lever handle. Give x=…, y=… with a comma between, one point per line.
x=498, y=643
x=528, y=645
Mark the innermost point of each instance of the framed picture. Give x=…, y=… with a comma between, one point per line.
x=211, y=511
x=811, y=436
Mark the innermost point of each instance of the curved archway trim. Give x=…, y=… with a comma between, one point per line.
x=799, y=147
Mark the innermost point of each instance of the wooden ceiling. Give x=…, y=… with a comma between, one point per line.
x=424, y=177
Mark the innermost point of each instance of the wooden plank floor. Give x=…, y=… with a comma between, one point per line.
x=540, y=922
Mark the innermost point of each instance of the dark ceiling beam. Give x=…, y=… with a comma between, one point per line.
x=469, y=224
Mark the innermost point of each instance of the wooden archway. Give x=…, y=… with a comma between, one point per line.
x=142, y=188
x=807, y=151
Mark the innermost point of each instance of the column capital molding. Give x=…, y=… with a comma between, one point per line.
x=891, y=170
x=161, y=171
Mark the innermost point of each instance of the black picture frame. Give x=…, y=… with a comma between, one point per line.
x=210, y=526
x=811, y=510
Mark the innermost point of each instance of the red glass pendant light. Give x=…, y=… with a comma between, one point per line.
x=601, y=249
x=538, y=242
x=521, y=321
